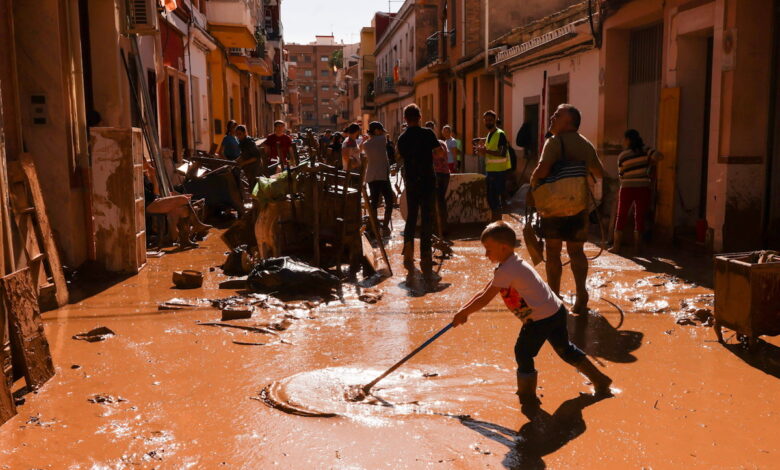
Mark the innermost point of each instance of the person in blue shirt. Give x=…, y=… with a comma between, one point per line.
x=230, y=148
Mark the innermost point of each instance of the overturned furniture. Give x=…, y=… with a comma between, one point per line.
x=311, y=213
x=747, y=295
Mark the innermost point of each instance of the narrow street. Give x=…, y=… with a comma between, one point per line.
x=181, y=395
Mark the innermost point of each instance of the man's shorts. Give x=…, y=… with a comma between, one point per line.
x=573, y=228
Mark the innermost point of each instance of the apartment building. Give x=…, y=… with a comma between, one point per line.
x=316, y=82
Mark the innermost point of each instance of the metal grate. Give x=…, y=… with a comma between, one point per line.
x=645, y=53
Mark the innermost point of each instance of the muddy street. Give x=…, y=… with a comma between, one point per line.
x=167, y=392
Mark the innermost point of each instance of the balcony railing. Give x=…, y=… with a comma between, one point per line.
x=383, y=85
x=431, y=51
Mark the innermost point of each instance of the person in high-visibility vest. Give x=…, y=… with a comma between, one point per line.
x=495, y=149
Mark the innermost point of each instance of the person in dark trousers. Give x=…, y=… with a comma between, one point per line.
x=416, y=147
x=442, y=169
x=378, y=172
x=635, y=165
x=540, y=310
x=495, y=149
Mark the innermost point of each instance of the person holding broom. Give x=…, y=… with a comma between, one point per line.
x=534, y=303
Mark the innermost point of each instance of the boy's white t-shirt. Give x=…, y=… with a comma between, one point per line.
x=524, y=292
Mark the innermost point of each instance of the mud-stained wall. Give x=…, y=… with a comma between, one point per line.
x=42, y=66
x=118, y=219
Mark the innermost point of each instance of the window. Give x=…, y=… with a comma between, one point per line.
x=324, y=58
x=325, y=72
x=307, y=73
x=325, y=88
x=307, y=88
x=306, y=58
x=325, y=116
x=324, y=101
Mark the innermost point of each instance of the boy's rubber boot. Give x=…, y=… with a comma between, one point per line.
x=600, y=381
x=618, y=240
x=526, y=392
x=408, y=252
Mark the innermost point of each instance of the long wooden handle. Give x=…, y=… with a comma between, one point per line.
x=409, y=356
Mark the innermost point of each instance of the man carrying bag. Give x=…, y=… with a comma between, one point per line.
x=560, y=192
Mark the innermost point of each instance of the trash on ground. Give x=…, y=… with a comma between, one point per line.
x=371, y=296
x=285, y=274
x=93, y=336
x=181, y=304
x=105, y=398
x=187, y=279
x=253, y=329
x=238, y=262
x=237, y=312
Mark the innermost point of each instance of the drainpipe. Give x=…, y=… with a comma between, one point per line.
x=189, y=75
x=487, y=33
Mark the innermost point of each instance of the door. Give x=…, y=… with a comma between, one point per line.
x=644, y=80
x=668, y=121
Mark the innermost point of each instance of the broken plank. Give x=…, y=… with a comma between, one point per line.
x=7, y=405
x=48, y=245
x=26, y=329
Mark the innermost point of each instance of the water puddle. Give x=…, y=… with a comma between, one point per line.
x=419, y=391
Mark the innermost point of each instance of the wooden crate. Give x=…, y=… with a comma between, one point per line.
x=747, y=295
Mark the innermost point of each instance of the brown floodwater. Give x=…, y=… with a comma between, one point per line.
x=175, y=393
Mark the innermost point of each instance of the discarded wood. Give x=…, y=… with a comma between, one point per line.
x=375, y=227
x=7, y=405
x=234, y=284
x=26, y=329
x=181, y=304
x=237, y=313
x=246, y=343
x=253, y=329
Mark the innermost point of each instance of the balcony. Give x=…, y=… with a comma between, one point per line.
x=368, y=63
x=229, y=21
x=384, y=86
x=431, y=50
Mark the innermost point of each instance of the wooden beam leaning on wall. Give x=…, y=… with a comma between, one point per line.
x=32, y=222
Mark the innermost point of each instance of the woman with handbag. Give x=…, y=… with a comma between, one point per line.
x=560, y=191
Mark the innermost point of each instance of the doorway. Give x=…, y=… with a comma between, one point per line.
x=557, y=92
x=694, y=75
x=644, y=81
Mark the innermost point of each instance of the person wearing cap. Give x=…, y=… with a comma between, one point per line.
x=378, y=172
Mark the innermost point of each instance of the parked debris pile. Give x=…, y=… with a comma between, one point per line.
x=286, y=275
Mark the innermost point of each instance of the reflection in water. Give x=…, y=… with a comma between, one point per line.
x=544, y=434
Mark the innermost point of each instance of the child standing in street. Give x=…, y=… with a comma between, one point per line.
x=541, y=311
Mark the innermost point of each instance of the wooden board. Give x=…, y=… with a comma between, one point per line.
x=7, y=406
x=28, y=339
x=48, y=245
x=668, y=127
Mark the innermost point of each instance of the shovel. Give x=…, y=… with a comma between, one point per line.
x=358, y=392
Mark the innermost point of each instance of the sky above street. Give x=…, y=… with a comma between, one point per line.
x=303, y=19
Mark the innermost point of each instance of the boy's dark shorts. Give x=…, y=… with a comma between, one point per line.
x=533, y=335
x=570, y=229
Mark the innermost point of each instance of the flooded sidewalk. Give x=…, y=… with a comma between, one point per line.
x=167, y=390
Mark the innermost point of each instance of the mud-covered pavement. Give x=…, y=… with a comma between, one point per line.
x=166, y=392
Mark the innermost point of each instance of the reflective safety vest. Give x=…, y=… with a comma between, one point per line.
x=495, y=163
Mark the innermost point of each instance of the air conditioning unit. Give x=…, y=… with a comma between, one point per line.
x=140, y=16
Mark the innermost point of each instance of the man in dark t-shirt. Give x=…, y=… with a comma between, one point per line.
x=416, y=147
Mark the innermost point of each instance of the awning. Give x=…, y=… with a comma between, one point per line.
x=239, y=61
x=231, y=35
